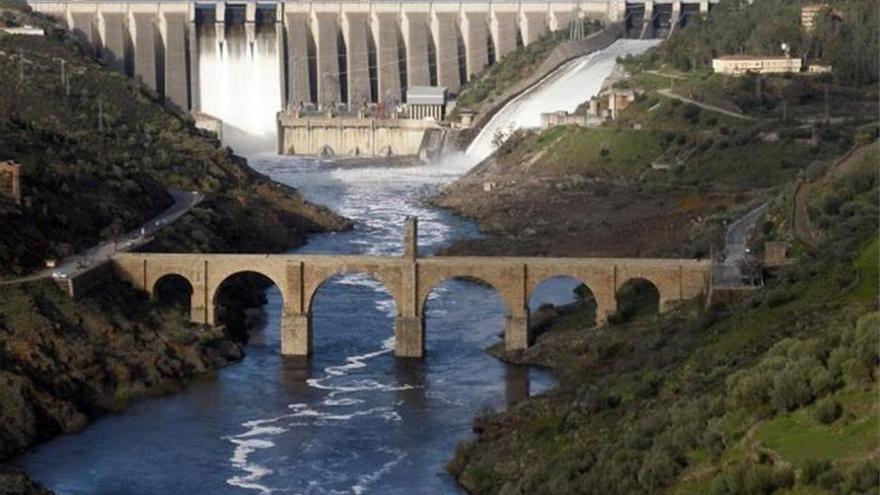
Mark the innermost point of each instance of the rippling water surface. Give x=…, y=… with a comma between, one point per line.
x=353, y=419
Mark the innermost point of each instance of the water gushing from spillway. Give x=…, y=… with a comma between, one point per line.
x=240, y=84
x=564, y=89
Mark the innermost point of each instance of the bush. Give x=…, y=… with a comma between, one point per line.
x=829, y=479
x=828, y=411
x=790, y=391
x=812, y=469
x=657, y=471
x=754, y=479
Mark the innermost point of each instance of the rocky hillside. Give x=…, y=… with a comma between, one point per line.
x=98, y=153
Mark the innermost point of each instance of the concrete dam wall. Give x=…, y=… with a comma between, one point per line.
x=245, y=61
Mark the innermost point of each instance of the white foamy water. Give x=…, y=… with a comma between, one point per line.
x=240, y=84
x=563, y=90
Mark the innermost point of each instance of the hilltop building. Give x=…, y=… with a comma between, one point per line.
x=757, y=64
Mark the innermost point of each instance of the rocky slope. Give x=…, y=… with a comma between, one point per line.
x=98, y=153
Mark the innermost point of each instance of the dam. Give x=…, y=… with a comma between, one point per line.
x=325, y=55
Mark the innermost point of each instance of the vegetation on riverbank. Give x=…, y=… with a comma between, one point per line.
x=98, y=154
x=776, y=394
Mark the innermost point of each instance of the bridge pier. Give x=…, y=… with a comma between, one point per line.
x=409, y=336
x=517, y=334
x=296, y=334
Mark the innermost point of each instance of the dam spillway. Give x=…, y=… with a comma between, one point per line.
x=243, y=62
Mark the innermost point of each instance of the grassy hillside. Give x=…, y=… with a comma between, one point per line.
x=776, y=394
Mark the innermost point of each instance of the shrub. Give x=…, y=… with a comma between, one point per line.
x=790, y=390
x=863, y=478
x=812, y=469
x=828, y=411
x=829, y=479
x=657, y=471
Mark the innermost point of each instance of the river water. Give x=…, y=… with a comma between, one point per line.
x=353, y=419
x=350, y=420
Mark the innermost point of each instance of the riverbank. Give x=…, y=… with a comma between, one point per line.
x=97, y=156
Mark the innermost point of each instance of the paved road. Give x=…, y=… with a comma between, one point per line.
x=712, y=108
x=729, y=270
x=80, y=262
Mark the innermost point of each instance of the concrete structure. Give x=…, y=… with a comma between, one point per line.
x=425, y=102
x=352, y=136
x=737, y=65
x=409, y=279
x=24, y=30
x=609, y=102
x=10, y=182
x=555, y=119
x=370, y=50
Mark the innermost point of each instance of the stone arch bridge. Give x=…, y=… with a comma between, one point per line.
x=410, y=280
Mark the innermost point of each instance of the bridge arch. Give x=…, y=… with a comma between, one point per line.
x=573, y=290
x=637, y=296
x=229, y=307
x=173, y=289
x=371, y=304
x=442, y=305
x=317, y=278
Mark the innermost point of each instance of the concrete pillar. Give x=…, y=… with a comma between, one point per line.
x=355, y=25
x=648, y=21
x=220, y=23
x=195, y=102
x=445, y=33
x=474, y=33
x=280, y=55
x=675, y=20
x=324, y=30
x=409, y=336
x=250, y=23
x=198, y=308
x=561, y=19
x=503, y=32
x=704, y=7
x=415, y=35
x=84, y=27
x=533, y=25
x=145, y=48
x=296, y=334
x=517, y=334
x=388, y=71
x=299, y=87
x=176, y=80
x=113, y=49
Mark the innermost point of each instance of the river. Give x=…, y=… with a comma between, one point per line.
x=354, y=419
x=350, y=420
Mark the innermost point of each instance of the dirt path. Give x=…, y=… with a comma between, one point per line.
x=712, y=108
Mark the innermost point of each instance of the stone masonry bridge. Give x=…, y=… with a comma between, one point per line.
x=410, y=279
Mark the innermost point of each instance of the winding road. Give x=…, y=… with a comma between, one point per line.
x=729, y=271
x=184, y=201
